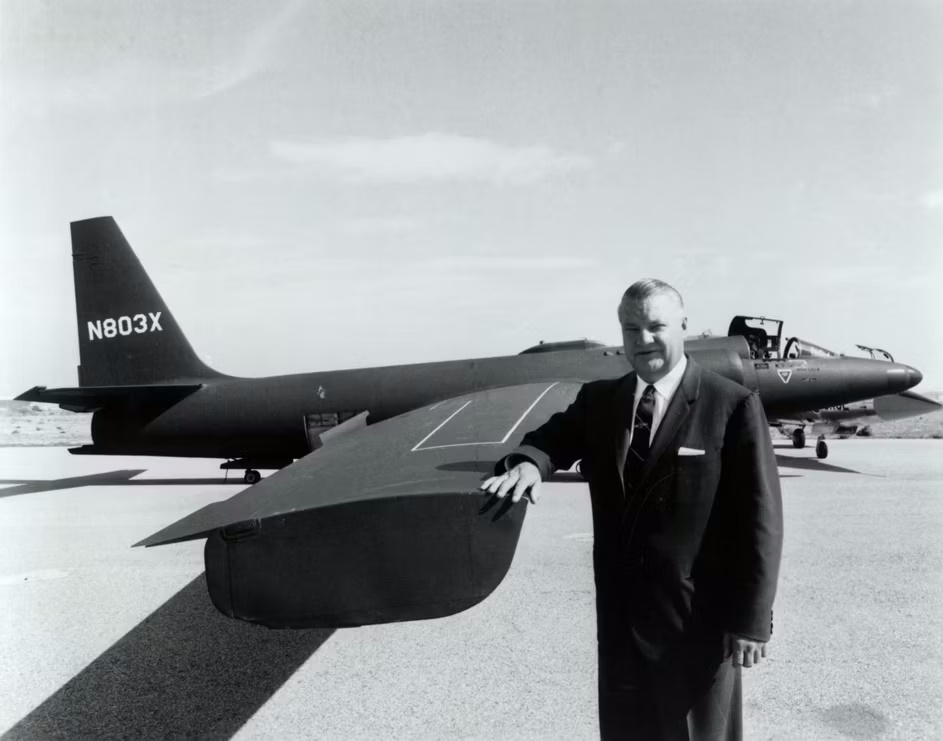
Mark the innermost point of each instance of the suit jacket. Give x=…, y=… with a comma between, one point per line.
x=696, y=545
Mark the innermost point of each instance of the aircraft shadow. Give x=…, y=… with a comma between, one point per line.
x=185, y=671
x=108, y=478
x=813, y=464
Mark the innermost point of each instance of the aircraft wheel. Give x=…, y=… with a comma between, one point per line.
x=821, y=449
x=252, y=477
x=798, y=438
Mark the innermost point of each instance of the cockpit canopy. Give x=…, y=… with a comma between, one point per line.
x=877, y=353
x=762, y=335
x=798, y=348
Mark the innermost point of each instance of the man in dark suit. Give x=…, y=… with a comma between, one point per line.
x=687, y=519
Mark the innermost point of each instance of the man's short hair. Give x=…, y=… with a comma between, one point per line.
x=643, y=289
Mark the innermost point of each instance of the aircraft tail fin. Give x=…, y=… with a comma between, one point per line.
x=127, y=335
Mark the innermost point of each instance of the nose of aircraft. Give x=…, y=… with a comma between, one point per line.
x=902, y=377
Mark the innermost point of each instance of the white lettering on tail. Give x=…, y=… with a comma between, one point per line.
x=124, y=326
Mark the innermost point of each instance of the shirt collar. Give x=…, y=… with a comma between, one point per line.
x=667, y=385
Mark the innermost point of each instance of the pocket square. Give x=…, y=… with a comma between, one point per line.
x=689, y=451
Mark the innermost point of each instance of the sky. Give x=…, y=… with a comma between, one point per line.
x=329, y=185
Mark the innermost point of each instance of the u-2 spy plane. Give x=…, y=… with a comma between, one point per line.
x=363, y=523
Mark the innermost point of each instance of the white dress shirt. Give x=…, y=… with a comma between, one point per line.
x=665, y=389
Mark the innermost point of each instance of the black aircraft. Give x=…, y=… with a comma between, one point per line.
x=366, y=523
x=805, y=362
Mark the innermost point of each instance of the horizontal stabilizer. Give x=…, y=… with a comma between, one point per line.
x=90, y=398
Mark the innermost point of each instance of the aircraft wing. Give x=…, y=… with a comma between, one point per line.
x=905, y=404
x=885, y=408
x=381, y=525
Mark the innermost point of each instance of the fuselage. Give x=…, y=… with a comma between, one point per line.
x=274, y=417
x=152, y=395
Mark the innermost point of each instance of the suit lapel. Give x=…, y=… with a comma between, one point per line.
x=675, y=415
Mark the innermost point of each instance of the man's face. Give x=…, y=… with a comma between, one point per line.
x=653, y=334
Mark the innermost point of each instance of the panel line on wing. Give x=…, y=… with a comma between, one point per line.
x=441, y=425
x=502, y=441
x=460, y=445
x=528, y=411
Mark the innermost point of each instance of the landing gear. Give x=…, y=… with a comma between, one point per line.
x=821, y=448
x=798, y=438
x=251, y=466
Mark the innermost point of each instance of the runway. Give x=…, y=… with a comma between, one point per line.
x=101, y=640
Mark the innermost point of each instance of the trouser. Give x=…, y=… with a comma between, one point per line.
x=690, y=692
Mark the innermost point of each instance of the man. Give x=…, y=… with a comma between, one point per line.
x=687, y=518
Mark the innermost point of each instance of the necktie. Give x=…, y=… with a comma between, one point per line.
x=641, y=437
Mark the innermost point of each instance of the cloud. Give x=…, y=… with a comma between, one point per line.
x=375, y=226
x=431, y=157
x=466, y=263
x=259, y=46
x=932, y=200
x=868, y=100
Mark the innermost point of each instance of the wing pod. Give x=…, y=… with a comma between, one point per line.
x=382, y=525
x=375, y=561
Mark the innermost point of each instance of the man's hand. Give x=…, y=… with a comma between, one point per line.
x=524, y=478
x=745, y=651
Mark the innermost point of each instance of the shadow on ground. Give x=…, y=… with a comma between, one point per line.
x=486, y=468
x=108, y=478
x=856, y=721
x=185, y=671
x=813, y=464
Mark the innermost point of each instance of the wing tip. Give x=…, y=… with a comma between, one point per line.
x=33, y=394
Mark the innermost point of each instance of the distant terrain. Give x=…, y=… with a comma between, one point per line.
x=36, y=425
x=26, y=424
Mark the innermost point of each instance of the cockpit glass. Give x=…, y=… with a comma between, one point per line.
x=798, y=348
x=770, y=326
x=762, y=335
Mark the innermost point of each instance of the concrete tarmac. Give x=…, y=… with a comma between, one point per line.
x=99, y=640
